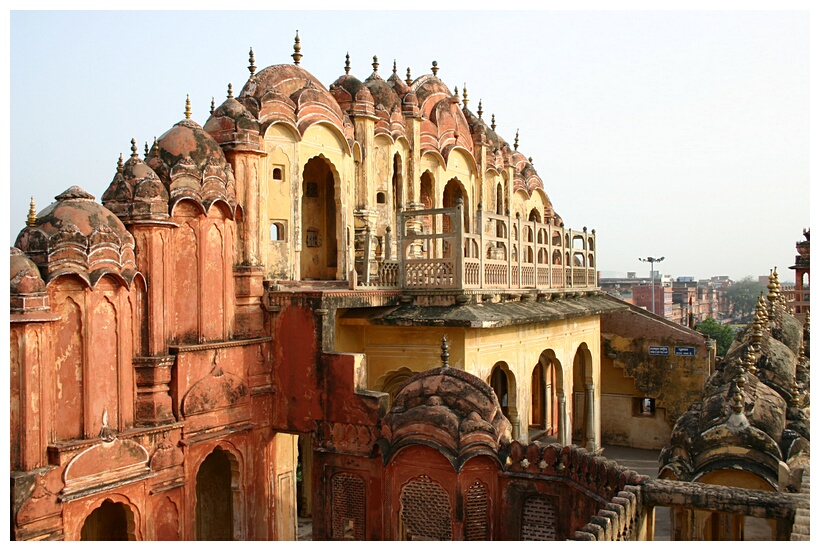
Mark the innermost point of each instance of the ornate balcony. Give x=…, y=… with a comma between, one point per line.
x=443, y=249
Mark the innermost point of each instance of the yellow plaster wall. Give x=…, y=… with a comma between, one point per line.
x=477, y=350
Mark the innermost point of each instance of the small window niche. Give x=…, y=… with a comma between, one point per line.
x=312, y=238
x=278, y=173
x=381, y=198
x=311, y=189
x=643, y=407
x=277, y=230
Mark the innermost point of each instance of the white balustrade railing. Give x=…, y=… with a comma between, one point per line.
x=436, y=252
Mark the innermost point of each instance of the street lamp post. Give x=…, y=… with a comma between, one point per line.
x=652, y=261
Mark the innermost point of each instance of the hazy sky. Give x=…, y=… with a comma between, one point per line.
x=682, y=134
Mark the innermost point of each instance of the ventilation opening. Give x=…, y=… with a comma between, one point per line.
x=277, y=173
x=643, y=407
x=381, y=198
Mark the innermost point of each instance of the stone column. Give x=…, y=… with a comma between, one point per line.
x=564, y=434
x=153, y=379
x=591, y=436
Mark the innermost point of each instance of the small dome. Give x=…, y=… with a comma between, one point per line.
x=229, y=119
x=76, y=235
x=383, y=94
x=25, y=276
x=450, y=410
x=191, y=164
x=136, y=192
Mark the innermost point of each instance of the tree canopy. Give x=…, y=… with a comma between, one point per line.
x=743, y=295
x=723, y=334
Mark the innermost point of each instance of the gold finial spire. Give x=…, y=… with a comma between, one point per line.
x=480, y=109
x=464, y=99
x=375, y=65
x=408, y=80
x=31, y=219
x=133, y=148
x=119, y=164
x=455, y=95
x=146, y=151
x=252, y=66
x=156, y=147
x=230, y=91
x=297, y=49
x=434, y=68
x=795, y=394
x=445, y=352
x=516, y=140
x=394, y=66
x=737, y=406
x=347, y=63
x=213, y=105
x=771, y=287
x=749, y=360
x=187, y=106
x=492, y=122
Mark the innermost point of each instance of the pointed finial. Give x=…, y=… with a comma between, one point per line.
x=455, y=95
x=394, y=67
x=119, y=164
x=146, y=151
x=31, y=219
x=492, y=122
x=297, y=49
x=252, y=66
x=347, y=63
x=213, y=105
x=464, y=99
x=530, y=160
x=133, y=148
x=445, y=352
x=375, y=64
x=771, y=287
x=408, y=80
x=749, y=360
x=480, y=110
x=434, y=68
x=737, y=406
x=230, y=91
x=795, y=394
x=156, y=147
x=515, y=145
x=187, y=106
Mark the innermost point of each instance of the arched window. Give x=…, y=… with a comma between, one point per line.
x=277, y=173
x=277, y=231
x=381, y=198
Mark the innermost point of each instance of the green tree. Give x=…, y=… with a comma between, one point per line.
x=742, y=296
x=723, y=334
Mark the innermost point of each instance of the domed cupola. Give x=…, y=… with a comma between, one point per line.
x=447, y=409
x=28, y=290
x=399, y=86
x=345, y=88
x=383, y=93
x=136, y=192
x=192, y=166
x=76, y=235
x=232, y=122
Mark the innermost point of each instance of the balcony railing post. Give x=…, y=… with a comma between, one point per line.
x=509, y=249
x=403, y=247
x=520, y=250
x=479, y=224
x=457, y=224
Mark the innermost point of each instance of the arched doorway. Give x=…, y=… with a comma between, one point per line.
x=319, y=256
x=109, y=522
x=453, y=191
x=556, y=421
x=398, y=196
x=583, y=404
x=538, y=399
x=502, y=382
x=535, y=216
x=215, y=497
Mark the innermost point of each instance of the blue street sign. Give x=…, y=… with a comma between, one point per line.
x=684, y=351
x=658, y=350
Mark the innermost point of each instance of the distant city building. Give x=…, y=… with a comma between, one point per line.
x=798, y=296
